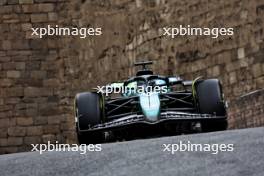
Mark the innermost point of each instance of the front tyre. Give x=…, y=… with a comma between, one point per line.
x=210, y=101
x=89, y=112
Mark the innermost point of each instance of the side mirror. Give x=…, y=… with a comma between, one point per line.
x=116, y=85
x=174, y=80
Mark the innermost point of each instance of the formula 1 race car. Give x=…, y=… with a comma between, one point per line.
x=149, y=103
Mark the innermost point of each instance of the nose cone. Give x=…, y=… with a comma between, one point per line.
x=150, y=105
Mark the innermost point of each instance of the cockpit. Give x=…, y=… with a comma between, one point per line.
x=149, y=84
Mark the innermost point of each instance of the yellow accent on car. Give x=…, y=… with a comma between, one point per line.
x=193, y=86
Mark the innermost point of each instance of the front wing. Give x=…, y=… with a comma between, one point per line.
x=164, y=116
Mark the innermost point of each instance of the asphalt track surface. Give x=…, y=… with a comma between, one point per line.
x=146, y=157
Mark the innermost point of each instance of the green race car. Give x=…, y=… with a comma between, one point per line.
x=148, y=103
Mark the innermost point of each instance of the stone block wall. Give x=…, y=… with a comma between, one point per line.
x=40, y=77
x=33, y=107
x=131, y=31
x=247, y=111
x=238, y=60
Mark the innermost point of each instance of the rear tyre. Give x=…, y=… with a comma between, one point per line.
x=210, y=101
x=88, y=109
